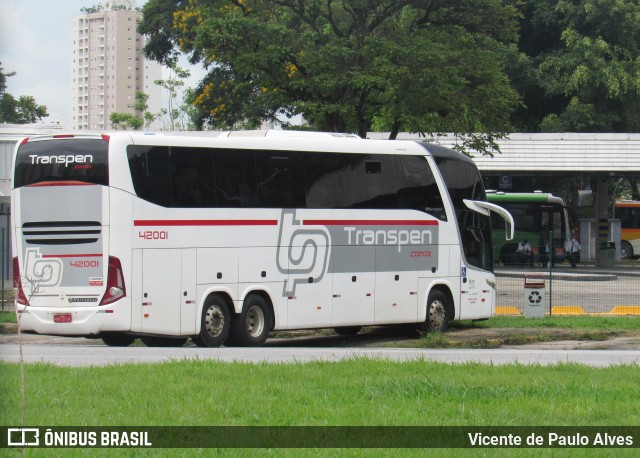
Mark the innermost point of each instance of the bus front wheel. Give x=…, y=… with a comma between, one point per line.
x=438, y=313
x=626, y=250
x=215, y=323
x=251, y=327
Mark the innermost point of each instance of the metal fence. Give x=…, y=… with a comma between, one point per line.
x=6, y=265
x=570, y=291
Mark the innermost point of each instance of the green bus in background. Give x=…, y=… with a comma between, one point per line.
x=536, y=215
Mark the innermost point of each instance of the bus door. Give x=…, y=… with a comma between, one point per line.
x=165, y=302
x=475, y=258
x=477, y=291
x=552, y=221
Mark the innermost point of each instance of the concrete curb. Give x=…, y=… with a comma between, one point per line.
x=8, y=328
x=618, y=310
x=568, y=276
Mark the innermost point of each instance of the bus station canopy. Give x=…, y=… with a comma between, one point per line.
x=553, y=152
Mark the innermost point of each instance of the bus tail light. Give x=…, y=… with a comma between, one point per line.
x=115, y=282
x=21, y=298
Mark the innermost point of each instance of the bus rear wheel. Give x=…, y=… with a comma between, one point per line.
x=251, y=327
x=438, y=313
x=626, y=250
x=215, y=323
x=117, y=340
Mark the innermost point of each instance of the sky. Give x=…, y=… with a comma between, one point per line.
x=35, y=42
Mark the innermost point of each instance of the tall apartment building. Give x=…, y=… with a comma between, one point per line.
x=108, y=66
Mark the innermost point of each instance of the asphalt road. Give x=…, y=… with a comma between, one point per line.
x=83, y=352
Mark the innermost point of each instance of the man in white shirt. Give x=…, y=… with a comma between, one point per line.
x=572, y=248
x=523, y=253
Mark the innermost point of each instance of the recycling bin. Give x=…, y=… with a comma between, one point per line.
x=534, y=296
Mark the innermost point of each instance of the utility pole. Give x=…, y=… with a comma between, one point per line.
x=602, y=218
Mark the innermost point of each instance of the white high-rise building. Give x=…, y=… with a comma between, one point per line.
x=108, y=66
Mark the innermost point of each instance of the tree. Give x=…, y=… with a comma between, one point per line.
x=125, y=121
x=133, y=121
x=176, y=116
x=23, y=110
x=583, y=67
x=344, y=66
x=141, y=106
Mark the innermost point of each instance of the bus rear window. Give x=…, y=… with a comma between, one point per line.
x=69, y=159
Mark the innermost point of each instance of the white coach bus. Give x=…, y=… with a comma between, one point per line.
x=225, y=239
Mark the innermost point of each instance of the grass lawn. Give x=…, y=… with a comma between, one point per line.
x=610, y=323
x=7, y=317
x=358, y=392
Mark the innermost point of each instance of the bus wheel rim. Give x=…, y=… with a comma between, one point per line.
x=214, y=321
x=436, y=314
x=255, y=321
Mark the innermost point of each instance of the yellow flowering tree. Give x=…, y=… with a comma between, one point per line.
x=350, y=66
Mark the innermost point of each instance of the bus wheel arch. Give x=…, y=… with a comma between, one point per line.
x=440, y=310
x=252, y=325
x=215, y=321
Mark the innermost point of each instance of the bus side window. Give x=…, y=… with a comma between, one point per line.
x=192, y=177
x=149, y=167
x=327, y=179
x=234, y=175
x=280, y=180
x=418, y=188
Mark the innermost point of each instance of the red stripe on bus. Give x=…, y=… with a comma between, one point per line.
x=206, y=222
x=368, y=222
x=60, y=183
x=90, y=255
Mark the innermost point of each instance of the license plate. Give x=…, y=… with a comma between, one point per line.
x=62, y=318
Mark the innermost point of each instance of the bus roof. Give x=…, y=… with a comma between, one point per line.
x=497, y=196
x=290, y=139
x=274, y=140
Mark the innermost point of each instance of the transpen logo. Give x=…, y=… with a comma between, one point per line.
x=66, y=159
x=40, y=271
x=303, y=253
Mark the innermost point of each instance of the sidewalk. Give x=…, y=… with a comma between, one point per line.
x=8, y=328
x=584, y=272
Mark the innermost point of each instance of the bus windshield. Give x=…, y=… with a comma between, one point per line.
x=463, y=181
x=539, y=218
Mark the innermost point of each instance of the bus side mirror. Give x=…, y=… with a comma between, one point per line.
x=509, y=229
x=485, y=208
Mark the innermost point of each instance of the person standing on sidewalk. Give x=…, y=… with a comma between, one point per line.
x=572, y=248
